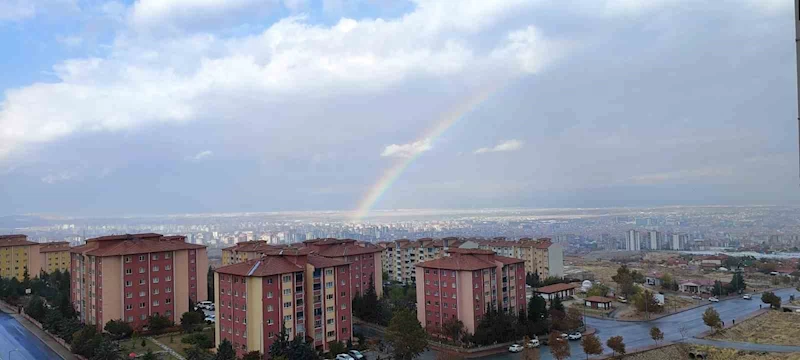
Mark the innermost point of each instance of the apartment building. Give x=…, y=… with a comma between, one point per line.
x=542, y=257
x=54, y=256
x=364, y=260
x=401, y=256
x=463, y=284
x=134, y=276
x=17, y=255
x=307, y=294
x=243, y=251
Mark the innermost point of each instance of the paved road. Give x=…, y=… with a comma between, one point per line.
x=637, y=334
x=15, y=336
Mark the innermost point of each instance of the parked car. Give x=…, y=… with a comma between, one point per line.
x=574, y=336
x=344, y=357
x=211, y=319
x=355, y=354
x=697, y=297
x=747, y=297
x=534, y=343
x=713, y=299
x=515, y=348
x=622, y=300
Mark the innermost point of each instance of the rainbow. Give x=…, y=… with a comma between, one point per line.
x=390, y=176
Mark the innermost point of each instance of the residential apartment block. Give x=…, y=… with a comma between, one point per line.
x=132, y=277
x=401, y=256
x=463, y=284
x=307, y=294
x=365, y=258
x=17, y=255
x=54, y=256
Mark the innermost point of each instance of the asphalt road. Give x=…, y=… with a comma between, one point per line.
x=637, y=334
x=21, y=343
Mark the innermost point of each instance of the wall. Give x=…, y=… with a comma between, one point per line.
x=180, y=284
x=112, y=290
x=556, y=260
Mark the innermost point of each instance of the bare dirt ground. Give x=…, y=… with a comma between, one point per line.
x=774, y=327
x=673, y=303
x=682, y=352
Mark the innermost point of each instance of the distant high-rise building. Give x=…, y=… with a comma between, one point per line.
x=654, y=239
x=679, y=241
x=633, y=240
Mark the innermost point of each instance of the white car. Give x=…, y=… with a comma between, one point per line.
x=515, y=348
x=534, y=343
x=211, y=318
x=622, y=300
x=697, y=297
x=574, y=336
x=747, y=297
x=355, y=354
x=344, y=357
x=713, y=299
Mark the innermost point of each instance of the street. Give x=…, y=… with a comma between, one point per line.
x=21, y=343
x=637, y=334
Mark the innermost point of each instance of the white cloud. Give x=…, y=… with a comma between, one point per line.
x=508, y=145
x=295, y=5
x=153, y=13
x=70, y=41
x=58, y=177
x=407, y=150
x=200, y=156
x=19, y=10
x=145, y=80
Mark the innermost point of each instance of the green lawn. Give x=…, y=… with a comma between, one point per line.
x=176, y=343
x=126, y=346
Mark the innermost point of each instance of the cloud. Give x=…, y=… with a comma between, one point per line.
x=200, y=156
x=178, y=79
x=508, y=145
x=16, y=10
x=407, y=150
x=58, y=177
x=70, y=41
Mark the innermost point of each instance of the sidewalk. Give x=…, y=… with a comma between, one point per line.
x=63, y=352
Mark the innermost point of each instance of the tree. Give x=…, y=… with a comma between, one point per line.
x=598, y=290
x=190, y=321
x=591, y=345
x=253, y=355
x=157, y=323
x=453, y=329
x=118, y=329
x=336, y=347
x=368, y=309
x=558, y=346
x=537, y=309
x=200, y=340
x=556, y=304
x=85, y=341
x=574, y=318
x=616, y=344
x=646, y=302
x=656, y=334
x=770, y=298
x=198, y=353
x=624, y=278
x=225, y=351
x=737, y=282
x=406, y=336
x=35, y=308
x=106, y=350
x=532, y=279
x=711, y=319
x=529, y=353
x=149, y=355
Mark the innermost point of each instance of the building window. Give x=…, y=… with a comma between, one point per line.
x=269, y=295
x=287, y=278
x=129, y=307
x=168, y=290
x=269, y=308
x=167, y=267
x=155, y=256
x=129, y=295
x=329, y=285
x=287, y=304
x=155, y=302
x=329, y=309
x=130, y=319
x=141, y=270
x=128, y=284
x=155, y=268
x=128, y=271
x=155, y=291
x=167, y=255
x=141, y=293
x=141, y=282
x=155, y=280
x=141, y=257
x=168, y=278
x=142, y=305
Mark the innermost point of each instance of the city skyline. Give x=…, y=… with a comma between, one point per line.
x=134, y=108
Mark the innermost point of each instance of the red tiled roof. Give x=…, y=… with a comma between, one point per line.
x=134, y=244
x=550, y=289
x=250, y=246
x=265, y=266
x=54, y=246
x=15, y=240
x=507, y=260
x=329, y=241
x=323, y=262
x=598, y=299
x=470, y=251
x=704, y=282
x=348, y=250
x=460, y=262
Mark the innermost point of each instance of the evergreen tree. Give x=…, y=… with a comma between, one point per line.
x=555, y=304
x=225, y=351
x=537, y=308
x=406, y=336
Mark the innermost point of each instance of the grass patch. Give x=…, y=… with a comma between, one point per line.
x=681, y=351
x=176, y=343
x=774, y=327
x=127, y=346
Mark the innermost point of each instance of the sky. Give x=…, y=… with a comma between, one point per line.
x=184, y=106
